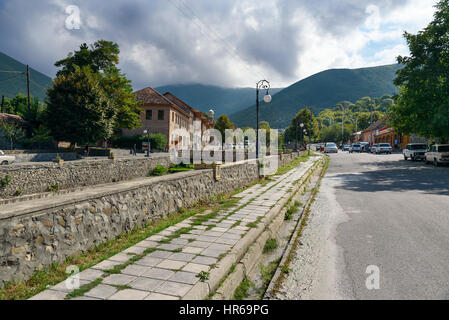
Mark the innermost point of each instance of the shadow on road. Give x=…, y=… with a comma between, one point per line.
x=397, y=176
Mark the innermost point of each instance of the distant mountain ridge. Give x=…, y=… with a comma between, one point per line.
x=320, y=91
x=12, y=84
x=221, y=100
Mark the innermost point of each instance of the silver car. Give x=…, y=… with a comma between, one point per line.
x=330, y=147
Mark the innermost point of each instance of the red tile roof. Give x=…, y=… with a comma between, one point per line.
x=151, y=96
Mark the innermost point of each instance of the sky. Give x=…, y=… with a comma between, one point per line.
x=229, y=43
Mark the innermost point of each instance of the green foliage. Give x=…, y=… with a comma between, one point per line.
x=12, y=132
x=241, y=292
x=102, y=58
x=159, y=170
x=41, y=139
x=222, y=124
x=6, y=180
x=158, y=141
x=306, y=117
x=78, y=111
x=270, y=245
x=203, y=275
x=321, y=91
x=54, y=187
x=423, y=101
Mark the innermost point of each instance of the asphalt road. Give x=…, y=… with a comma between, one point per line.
x=382, y=211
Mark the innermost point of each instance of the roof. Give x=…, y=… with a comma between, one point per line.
x=12, y=118
x=150, y=96
x=375, y=125
x=179, y=102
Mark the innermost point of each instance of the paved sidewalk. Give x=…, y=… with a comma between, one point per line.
x=173, y=261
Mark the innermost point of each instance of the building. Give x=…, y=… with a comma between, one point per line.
x=166, y=113
x=381, y=132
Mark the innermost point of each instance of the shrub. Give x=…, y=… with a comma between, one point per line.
x=54, y=187
x=158, y=141
x=270, y=245
x=160, y=170
x=5, y=181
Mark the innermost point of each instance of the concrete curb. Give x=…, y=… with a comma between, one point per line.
x=288, y=249
x=245, y=254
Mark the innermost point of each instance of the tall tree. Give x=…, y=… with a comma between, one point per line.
x=223, y=122
x=102, y=58
x=423, y=102
x=306, y=117
x=78, y=110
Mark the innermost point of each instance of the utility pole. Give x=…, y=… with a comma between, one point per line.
x=28, y=102
x=3, y=104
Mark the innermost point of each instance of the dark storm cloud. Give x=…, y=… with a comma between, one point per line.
x=162, y=41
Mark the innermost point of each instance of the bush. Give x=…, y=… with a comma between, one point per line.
x=5, y=181
x=158, y=141
x=159, y=170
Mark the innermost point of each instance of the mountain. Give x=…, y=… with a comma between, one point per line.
x=221, y=100
x=320, y=91
x=13, y=83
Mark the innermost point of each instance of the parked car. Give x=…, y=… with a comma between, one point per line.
x=317, y=147
x=415, y=151
x=4, y=159
x=384, y=148
x=356, y=147
x=364, y=146
x=346, y=147
x=374, y=148
x=331, y=147
x=438, y=154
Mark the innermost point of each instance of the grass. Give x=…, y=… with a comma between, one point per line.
x=56, y=272
x=254, y=224
x=267, y=273
x=285, y=268
x=241, y=292
x=203, y=275
x=292, y=165
x=83, y=289
x=270, y=245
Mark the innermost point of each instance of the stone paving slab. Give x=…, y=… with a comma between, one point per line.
x=173, y=268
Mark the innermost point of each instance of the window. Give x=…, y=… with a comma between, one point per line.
x=149, y=114
x=160, y=115
x=173, y=117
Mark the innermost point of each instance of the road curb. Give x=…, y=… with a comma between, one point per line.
x=249, y=249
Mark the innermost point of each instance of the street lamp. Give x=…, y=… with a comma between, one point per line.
x=302, y=132
x=149, y=143
x=261, y=85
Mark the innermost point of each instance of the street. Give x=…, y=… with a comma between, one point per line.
x=379, y=211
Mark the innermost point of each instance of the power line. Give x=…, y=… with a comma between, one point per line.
x=201, y=25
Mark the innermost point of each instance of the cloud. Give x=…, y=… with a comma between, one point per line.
x=229, y=43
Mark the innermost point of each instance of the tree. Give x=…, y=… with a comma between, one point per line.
x=223, y=122
x=310, y=124
x=102, y=59
x=78, y=110
x=333, y=133
x=423, y=101
x=11, y=132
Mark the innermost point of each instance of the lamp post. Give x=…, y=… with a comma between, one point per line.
x=302, y=132
x=149, y=143
x=261, y=85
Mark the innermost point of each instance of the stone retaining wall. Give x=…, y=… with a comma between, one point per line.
x=36, y=178
x=34, y=238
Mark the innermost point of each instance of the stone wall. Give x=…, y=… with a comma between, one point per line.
x=36, y=178
x=44, y=157
x=37, y=235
